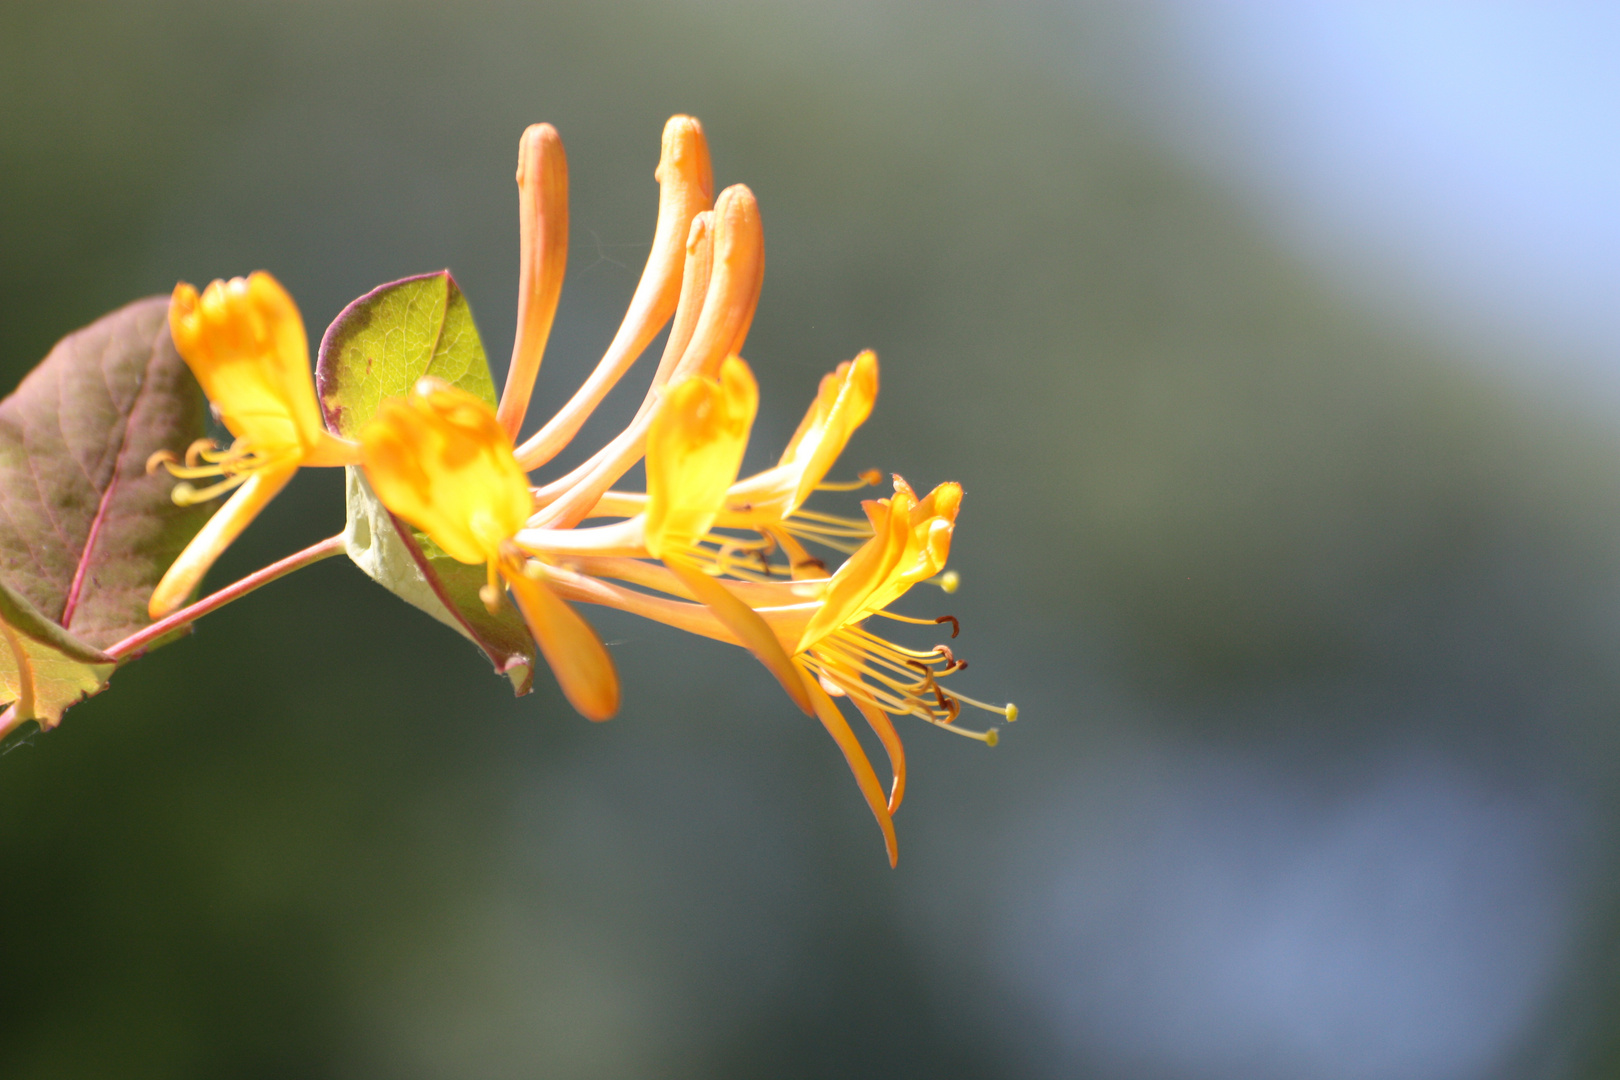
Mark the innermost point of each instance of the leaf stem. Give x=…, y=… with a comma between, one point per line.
x=136, y=643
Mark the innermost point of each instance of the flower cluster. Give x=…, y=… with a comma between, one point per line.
x=735, y=559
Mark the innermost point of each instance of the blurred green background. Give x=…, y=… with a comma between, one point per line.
x=1311, y=612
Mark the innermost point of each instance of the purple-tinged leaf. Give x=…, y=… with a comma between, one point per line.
x=85, y=533
x=43, y=668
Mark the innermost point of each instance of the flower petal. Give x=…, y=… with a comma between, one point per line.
x=865, y=778
x=694, y=447
x=571, y=648
x=187, y=571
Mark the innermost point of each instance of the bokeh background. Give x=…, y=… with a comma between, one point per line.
x=1277, y=351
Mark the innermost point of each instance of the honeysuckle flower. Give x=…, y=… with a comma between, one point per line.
x=700, y=550
x=818, y=622
x=808, y=630
x=441, y=460
x=804, y=624
x=244, y=340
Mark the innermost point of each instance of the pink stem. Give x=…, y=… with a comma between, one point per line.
x=136, y=643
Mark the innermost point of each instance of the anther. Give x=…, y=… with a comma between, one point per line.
x=160, y=459
x=949, y=580
x=1012, y=713
x=195, y=451
x=991, y=738
x=491, y=596
x=956, y=626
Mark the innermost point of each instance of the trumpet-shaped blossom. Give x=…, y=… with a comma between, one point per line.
x=244, y=340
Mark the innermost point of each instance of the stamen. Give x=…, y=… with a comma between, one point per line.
x=186, y=495
x=861, y=527
x=869, y=478
x=911, y=619
x=196, y=450
x=842, y=546
x=1009, y=710
x=989, y=738
x=873, y=640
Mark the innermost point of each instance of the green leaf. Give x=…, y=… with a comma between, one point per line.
x=43, y=668
x=85, y=533
x=377, y=348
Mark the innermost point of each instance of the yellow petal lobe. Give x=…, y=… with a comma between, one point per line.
x=439, y=459
x=571, y=648
x=227, y=523
x=694, y=447
x=911, y=541
x=244, y=340
x=865, y=777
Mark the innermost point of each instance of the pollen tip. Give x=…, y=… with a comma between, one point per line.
x=1012, y=713
x=873, y=477
x=949, y=581
x=991, y=737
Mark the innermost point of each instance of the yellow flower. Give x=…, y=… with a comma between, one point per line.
x=699, y=550
x=442, y=461
x=911, y=542
x=694, y=448
x=719, y=542
x=244, y=340
x=842, y=404
x=805, y=625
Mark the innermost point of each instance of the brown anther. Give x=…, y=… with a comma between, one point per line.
x=803, y=563
x=956, y=627
x=945, y=651
x=872, y=477
x=160, y=459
